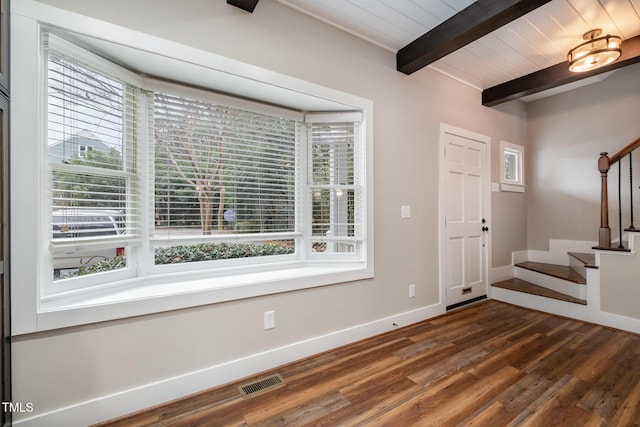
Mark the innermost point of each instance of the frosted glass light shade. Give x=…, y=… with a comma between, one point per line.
x=596, y=52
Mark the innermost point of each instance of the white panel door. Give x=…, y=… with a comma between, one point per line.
x=465, y=233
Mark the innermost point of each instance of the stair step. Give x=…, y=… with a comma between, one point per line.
x=520, y=285
x=589, y=260
x=614, y=248
x=560, y=271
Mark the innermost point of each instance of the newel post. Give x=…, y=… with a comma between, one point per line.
x=604, y=235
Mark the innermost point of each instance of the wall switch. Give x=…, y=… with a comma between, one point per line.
x=405, y=212
x=412, y=291
x=269, y=320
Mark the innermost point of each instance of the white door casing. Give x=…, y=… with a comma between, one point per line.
x=464, y=214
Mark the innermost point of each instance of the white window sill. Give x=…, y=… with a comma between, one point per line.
x=135, y=298
x=512, y=188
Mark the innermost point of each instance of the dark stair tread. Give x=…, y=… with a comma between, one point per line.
x=614, y=247
x=589, y=260
x=560, y=271
x=530, y=288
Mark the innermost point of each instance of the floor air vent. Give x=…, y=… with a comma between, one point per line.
x=261, y=385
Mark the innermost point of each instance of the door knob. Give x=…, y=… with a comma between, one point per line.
x=485, y=228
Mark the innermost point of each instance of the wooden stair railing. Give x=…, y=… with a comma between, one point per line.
x=604, y=164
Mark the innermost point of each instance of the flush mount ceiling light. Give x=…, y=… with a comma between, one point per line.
x=595, y=52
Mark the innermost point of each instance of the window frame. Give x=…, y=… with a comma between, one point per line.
x=357, y=186
x=145, y=154
x=154, y=291
x=83, y=150
x=510, y=185
x=127, y=171
x=183, y=91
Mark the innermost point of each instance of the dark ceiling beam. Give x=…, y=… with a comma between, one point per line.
x=247, y=5
x=554, y=76
x=475, y=21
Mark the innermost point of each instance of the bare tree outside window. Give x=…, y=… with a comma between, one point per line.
x=219, y=169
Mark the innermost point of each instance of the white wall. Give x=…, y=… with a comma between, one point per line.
x=508, y=210
x=90, y=366
x=566, y=134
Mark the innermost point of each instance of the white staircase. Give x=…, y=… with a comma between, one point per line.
x=566, y=280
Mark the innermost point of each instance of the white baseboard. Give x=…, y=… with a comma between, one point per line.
x=616, y=321
x=501, y=273
x=138, y=398
x=519, y=256
x=589, y=313
x=557, y=253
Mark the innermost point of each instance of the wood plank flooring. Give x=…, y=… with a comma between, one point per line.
x=491, y=364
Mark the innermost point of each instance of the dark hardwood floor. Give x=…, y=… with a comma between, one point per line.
x=490, y=364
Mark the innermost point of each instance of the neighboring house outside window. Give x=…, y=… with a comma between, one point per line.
x=63, y=151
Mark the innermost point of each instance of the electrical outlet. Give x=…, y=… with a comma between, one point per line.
x=269, y=320
x=405, y=212
x=412, y=291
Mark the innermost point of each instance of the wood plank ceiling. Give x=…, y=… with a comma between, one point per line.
x=534, y=42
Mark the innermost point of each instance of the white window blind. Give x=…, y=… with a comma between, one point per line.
x=209, y=180
x=220, y=170
x=91, y=152
x=335, y=186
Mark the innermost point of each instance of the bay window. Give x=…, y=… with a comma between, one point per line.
x=150, y=183
x=150, y=176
